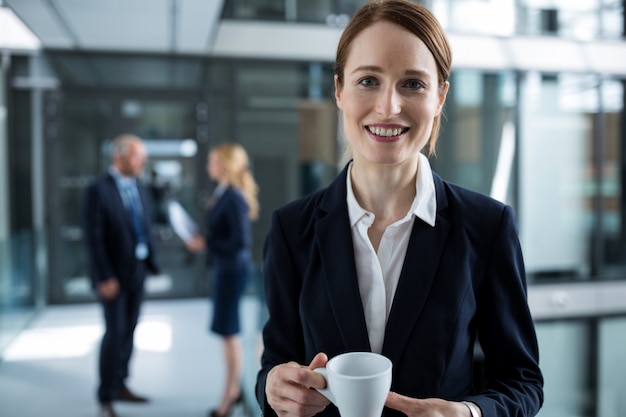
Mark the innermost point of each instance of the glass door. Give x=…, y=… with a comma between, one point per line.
x=175, y=172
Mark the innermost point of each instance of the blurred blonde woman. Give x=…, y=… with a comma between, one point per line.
x=228, y=240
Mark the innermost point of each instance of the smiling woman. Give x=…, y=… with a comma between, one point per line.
x=390, y=254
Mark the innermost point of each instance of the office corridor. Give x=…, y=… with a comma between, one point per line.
x=50, y=369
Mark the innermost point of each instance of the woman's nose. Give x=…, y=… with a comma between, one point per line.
x=388, y=103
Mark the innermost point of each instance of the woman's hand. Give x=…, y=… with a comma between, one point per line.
x=288, y=388
x=429, y=407
x=196, y=244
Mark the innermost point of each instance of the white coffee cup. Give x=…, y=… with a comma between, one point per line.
x=357, y=383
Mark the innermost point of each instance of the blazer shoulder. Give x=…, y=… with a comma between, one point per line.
x=98, y=185
x=472, y=206
x=102, y=180
x=233, y=194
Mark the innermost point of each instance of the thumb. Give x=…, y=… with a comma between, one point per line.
x=319, y=361
x=398, y=402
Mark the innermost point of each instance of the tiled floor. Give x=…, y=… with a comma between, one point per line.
x=50, y=368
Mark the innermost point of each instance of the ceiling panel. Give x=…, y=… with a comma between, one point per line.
x=160, y=26
x=41, y=19
x=197, y=25
x=117, y=24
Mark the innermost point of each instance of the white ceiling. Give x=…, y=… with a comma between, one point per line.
x=160, y=26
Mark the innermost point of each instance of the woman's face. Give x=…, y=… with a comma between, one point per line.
x=390, y=95
x=215, y=168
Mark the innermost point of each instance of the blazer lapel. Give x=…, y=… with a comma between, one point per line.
x=418, y=273
x=334, y=240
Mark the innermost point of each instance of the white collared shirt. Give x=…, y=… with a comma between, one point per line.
x=378, y=273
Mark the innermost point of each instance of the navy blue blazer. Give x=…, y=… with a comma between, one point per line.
x=109, y=236
x=229, y=233
x=462, y=279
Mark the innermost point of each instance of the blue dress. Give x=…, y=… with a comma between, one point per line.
x=229, y=238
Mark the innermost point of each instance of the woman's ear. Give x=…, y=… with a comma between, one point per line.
x=337, y=91
x=443, y=93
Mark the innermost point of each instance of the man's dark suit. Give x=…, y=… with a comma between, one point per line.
x=461, y=279
x=111, y=242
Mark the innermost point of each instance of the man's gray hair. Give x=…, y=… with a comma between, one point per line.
x=120, y=145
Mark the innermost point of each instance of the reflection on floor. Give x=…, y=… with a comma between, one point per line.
x=50, y=368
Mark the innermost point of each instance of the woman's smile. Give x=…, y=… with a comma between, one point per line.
x=386, y=133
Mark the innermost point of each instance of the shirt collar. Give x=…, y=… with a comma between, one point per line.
x=355, y=211
x=220, y=189
x=424, y=204
x=121, y=180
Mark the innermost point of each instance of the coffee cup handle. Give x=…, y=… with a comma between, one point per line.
x=325, y=391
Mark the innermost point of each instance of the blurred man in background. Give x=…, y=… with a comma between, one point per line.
x=117, y=229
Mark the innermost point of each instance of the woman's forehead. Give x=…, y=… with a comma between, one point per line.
x=385, y=44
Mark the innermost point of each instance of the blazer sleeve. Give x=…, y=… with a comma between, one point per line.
x=153, y=260
x=505, y=328
x=94, y=234
x=282, y=333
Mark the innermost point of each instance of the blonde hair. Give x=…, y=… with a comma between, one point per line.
x=237, y=173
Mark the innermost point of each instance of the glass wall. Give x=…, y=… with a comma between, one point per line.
x=331, y=12
x=21, y=292
x=583, y=362
x=477, y=144
x=555, y=137
x=611, y=171
x=88, y=121
x=5, y=257
x=611, y=364
x=582, y=19
x=281, y=112
x=566, y=358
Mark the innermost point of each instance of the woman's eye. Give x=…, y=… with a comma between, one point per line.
x=414, y=84
x=367, y=82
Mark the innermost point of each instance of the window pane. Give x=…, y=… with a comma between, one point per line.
x=555, y=131
x=564, y=351
x=613, y=205
x=612, y=363
x=475, y=147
